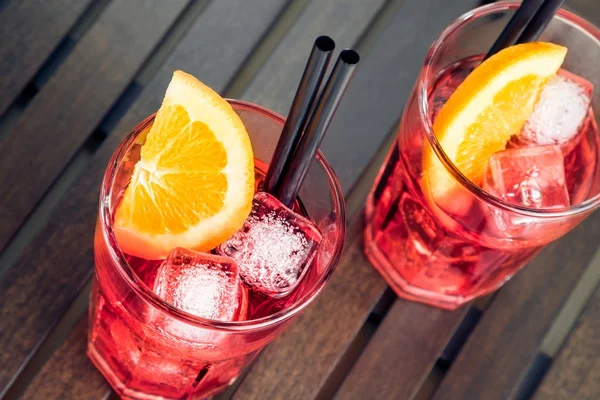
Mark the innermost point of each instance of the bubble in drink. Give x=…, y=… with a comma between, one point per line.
x=530, y=176
x=559, y=113
x=201, y=284
x=274, y=247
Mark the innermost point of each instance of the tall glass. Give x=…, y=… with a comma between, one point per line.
x=148, y=349
x=445, y=252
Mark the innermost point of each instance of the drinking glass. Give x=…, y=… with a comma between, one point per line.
x=445, y=253
x=148, y=349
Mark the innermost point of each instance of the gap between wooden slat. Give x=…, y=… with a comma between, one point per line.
x=564, y=322
x=152, y=64
x=356, y=347
x=42, y=212
x=62, y=51
x=378, y=24
x=560, y=328
x=170, y=40
x=355, y=201
x=64, y=325
x=354, y=207
x=432, y=382
x=81, y=160
x=55, y=59
x=347, y=360
x=266, y=45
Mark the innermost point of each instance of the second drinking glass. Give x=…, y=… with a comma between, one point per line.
x=445, y=252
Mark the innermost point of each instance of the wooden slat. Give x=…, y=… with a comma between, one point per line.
x=47, y=134
x=274, y=85
x=60, y=259
x=393, y=63
x=276, y=82
x=298, y=363
x=575, y=374
x=60, y=118
x=61, y=376
x=29, y=31
x=401, y=353
x=504, y=344
x=315, y=343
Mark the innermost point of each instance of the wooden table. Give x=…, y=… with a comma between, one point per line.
x=76, y=75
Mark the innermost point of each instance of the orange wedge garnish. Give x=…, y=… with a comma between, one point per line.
x=492, y=104
x=194, y=182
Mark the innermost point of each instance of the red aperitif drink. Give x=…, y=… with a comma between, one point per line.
x=425, y=252
x=154, y=362
x=451, y=219
x=185, y=323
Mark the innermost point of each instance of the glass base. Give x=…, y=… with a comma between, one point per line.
x=408, y=291
x=127, y=393
x=402, y=288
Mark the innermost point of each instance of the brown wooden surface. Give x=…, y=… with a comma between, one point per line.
x=575, y=373
x=401, y=353
x=315, y=343
x=73, y=102
x=356, y=341
x=29, y=31
x=297, y=364
x=503, y=346
x=68, y=239
x=48, y=133
x=69, y=374
x=275, y=84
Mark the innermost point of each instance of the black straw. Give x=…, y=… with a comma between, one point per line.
x=303, y=102
x=317, y=126
x=540, y=21
x=517, y=24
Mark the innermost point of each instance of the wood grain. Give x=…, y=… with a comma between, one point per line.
x=383, y=80
x=60, y=259
x=575, y=374
x=69, y=374
x=504, y=344
x=315, y=343
x=47, y=134
x=298, y=363
x=29, y=31
x=60, y=118
x=401, y=353
x=275, y=83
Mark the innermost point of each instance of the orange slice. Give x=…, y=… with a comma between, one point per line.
x=194, y=182
x=492, y=103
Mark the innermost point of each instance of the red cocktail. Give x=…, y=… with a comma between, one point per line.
x=445, y=224
x=185, y=324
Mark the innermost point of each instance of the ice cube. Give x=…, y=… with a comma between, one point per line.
x=529, y=176
x=274, y=247
x=560, y=111
x=201, y=284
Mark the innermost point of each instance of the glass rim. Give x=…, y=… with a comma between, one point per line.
x=136, y=284
x=427, y=75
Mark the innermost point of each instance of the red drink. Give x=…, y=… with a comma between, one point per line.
x=445, y=252
x=148, y=349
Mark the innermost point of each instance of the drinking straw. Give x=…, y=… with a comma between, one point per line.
x=303, y=102
x=317, y=126
x=517, y=24
x=540, y=21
